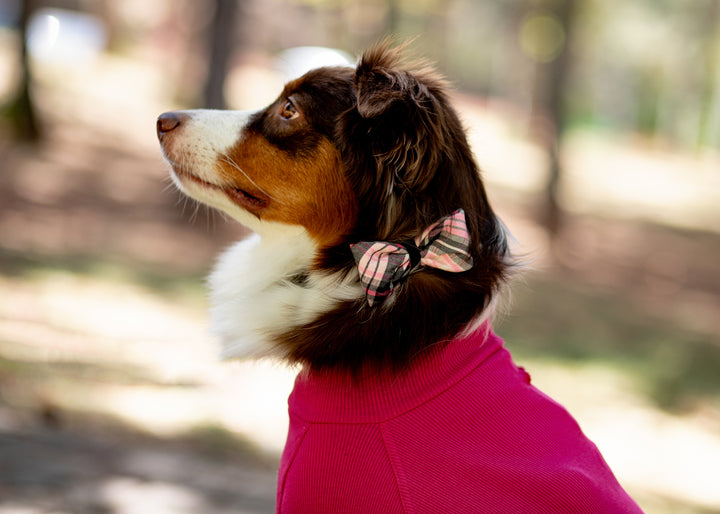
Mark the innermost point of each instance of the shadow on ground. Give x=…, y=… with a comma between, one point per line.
x=99, y=466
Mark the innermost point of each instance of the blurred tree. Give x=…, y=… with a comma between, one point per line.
x=648, y=97
x=710, y=95
x=546, y=35
x=221, y=33
x=21, y=110
x=392, y=19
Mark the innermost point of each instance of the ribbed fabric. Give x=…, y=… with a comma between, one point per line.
x=460, y=431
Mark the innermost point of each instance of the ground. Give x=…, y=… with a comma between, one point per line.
x=111, y=400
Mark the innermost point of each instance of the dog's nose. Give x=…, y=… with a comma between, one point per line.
x=168, y=121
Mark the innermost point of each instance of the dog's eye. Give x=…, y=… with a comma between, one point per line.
x=288, y=111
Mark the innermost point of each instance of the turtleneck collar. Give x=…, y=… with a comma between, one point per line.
x=339, y=397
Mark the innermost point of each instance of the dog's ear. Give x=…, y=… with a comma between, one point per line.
x=384, y=86
x=376, y=92
x=402, y=112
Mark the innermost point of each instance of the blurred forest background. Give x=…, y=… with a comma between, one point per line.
x=596, y=123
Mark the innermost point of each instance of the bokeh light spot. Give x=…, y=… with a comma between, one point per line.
x=542, y=37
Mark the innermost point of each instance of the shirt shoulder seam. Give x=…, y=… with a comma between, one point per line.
x=281, y=492
x=396, y=472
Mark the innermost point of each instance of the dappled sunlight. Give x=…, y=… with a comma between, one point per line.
x=58, y=317
x=262, y=414
x=133, y=496
x=104, y=321
x=642, y=181
x=163, y=410
x=111, y=395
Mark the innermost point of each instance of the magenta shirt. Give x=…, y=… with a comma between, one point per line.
x=461, y=431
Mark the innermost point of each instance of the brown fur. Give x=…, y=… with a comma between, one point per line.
x=408, y=162
x=310, y=191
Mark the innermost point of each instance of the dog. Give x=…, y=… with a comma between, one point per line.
x=375, y=264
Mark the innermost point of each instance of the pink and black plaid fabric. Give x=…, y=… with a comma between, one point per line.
x=382, y=265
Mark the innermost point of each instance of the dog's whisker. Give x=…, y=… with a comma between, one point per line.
x=209, y=218
x=170, y=186
x=186, y=203
x=180, y=200
x=196, y=212
x=229, y=160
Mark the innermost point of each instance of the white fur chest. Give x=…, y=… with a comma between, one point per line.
x=255, y=299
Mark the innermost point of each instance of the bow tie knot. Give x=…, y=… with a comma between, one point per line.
x=382, y=265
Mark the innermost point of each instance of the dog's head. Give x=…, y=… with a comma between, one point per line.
x=364, y=154
x=278, y=165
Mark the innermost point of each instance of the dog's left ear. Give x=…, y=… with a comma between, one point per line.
x=383, y=86
x=403, y=113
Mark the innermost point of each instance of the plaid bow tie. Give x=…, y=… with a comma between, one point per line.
x=444, y=245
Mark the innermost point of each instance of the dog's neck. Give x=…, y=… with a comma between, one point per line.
x=265, y=286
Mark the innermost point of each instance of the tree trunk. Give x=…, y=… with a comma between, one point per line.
x=710, y=94
x=221, y=39
x=392, y=19
x=551, y=89
x=21, y=110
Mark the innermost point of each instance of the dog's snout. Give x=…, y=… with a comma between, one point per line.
x=169, y=121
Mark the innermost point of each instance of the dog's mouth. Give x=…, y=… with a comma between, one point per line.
x=245, y=199
x=250, y=200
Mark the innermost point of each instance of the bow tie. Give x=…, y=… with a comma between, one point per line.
x=443, y=245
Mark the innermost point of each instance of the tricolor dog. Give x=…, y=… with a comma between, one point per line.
x=374, y=266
